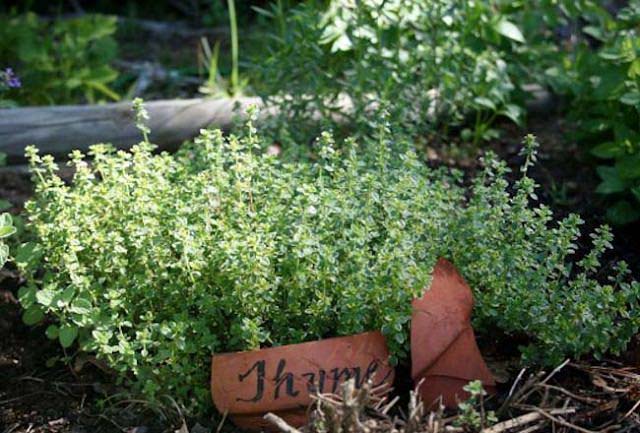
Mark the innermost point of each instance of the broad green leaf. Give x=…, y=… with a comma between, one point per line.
x=67, y=335
x=32, y=315
x=611, y=181
x=594, y=31
x=607, y=172
x=610, y=149
x=484, y=102
x=634, y=69
x=513, y=112
x=510, y=30
x=608, y=187
x=631, y=98
x=611, y=53
x=7, y=231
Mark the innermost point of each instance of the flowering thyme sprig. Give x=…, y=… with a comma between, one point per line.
x=9, y=80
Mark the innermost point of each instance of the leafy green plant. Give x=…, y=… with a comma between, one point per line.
x=6, y=229
x=215, y=85
x=603, y=84
x=154, y=261
x=437, y=66
x=472, y=414
x=62, y=61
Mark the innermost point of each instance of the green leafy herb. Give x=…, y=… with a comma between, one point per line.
x=155, y=261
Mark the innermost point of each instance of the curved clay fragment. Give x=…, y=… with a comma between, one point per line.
x=247, y=385
x=444, y=353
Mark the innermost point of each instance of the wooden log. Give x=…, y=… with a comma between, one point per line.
x=58, y=130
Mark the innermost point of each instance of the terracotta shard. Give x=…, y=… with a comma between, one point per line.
x=444, y=353
x=247, y=385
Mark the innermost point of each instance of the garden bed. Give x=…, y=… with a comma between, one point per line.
x=129, y=269
x=38, y=398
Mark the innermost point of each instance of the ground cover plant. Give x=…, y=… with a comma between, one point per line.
x=154, y=261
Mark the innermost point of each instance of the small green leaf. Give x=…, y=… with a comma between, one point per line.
x=4, y=254
x=80, y=306
x=6, y=220
x=66, y=296
x=45, y=296
x=67, y=335
x=32, y=315
x=28, y=254
x=342, y=43
x=510, y=30
x=52, y=332
x=52, y=361
x=4, y=205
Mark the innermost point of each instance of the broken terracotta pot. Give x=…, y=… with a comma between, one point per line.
x=444, y=353
x=247, y=385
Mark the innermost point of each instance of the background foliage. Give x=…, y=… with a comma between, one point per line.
x=601, y=78
x=59, y=61
x=432, y=64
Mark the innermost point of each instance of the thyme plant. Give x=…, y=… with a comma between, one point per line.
x=156, y=261
x=6, y=229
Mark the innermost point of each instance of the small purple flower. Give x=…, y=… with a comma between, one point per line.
x=10, y=79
